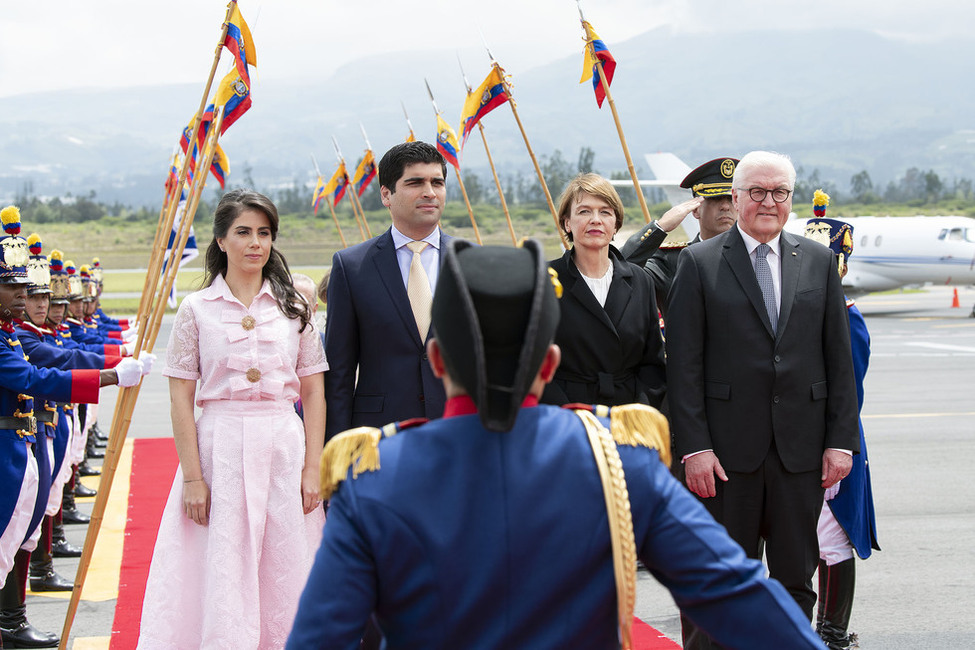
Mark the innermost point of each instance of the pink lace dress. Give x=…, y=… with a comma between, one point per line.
x=236, y=583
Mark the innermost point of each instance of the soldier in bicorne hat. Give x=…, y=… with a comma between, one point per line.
x=507, y=524
x=711, y=206
x=20, y=383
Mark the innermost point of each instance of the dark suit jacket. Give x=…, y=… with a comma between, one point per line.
x=611, y=355
x=736, y=386
x=370, y=328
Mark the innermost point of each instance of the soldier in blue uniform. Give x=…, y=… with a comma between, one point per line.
x=20, y=382
x=849, y=523
x=506, y=524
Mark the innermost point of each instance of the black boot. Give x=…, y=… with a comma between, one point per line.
x=69, y=511
x=91, y=449
x=60, y=547
x=16, y=631
x=43, y=577
x=100, y=437
x=837, y=584
x=82, y=490
x=84, y=469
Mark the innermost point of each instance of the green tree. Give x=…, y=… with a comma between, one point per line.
x=586, y=158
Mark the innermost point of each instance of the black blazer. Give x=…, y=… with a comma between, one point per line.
x=371, y=329
x=612, y=355
x=736, y=386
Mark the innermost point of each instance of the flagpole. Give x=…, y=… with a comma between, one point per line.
x=117, y=434
x=352, y=196
x=408, y=123
x=460, y=181
x=356, y=204
x=538, y=170
x=494, y=172
x=334, y=218
x=619, y=127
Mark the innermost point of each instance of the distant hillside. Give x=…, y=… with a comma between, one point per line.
x=837, y=101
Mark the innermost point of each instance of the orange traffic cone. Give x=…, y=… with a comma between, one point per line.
x=954, y=300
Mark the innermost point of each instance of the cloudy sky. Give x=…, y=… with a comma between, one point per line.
x=115, y=43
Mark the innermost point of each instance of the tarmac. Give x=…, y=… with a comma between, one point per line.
x=919, y=421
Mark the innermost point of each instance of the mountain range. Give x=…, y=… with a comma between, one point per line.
x=837, y=101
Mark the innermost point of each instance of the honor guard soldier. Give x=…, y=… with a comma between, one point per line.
x=507, y=523
x=20, y=382
x=711, y=206
x=847, y=523
x=106, y=322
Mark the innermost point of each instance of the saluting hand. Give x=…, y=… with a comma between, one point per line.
x=700, y=471
x=674, y=216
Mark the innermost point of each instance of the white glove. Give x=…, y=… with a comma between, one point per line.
x=129, y=334
x=129, y=372
x=832, y=491
x=127, y=349
x=147, y=359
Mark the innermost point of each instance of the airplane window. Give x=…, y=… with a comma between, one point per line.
x=863, y=242
x=877, y=241
x=970, y=234
x=943, y=234
x=956, y=234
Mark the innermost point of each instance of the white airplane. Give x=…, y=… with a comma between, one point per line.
x=888, y=252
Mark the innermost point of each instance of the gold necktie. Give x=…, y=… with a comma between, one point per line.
x=418, y=289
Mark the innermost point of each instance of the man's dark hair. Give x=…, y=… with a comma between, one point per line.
x=396, y=159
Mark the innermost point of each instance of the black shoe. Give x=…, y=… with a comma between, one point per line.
x=74, y=516
x=26, y=635
x=94, y=452
x=84, y=469
x=100, y=443
x=50, y=581
x=62, y=548
x=82, y=490
x=97, y=432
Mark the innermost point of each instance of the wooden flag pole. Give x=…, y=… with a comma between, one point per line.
x=156, y=243
x=497, y=183
x=355, y=215
x=467, y=202
x=538, y=170
x=337, y=226
x=358, y=206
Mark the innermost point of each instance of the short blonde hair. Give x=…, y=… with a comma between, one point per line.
x=589, y=183
x=322, y=289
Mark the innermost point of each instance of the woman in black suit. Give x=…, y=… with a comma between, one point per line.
x=612, y=350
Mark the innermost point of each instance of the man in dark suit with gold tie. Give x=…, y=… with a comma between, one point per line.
x=760, y=374
x=379, y=297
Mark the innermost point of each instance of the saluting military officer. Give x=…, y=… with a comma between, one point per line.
x=20, y=382
x=490, y=527
x=711, y=206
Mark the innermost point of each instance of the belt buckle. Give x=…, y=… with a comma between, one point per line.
x=32, y=424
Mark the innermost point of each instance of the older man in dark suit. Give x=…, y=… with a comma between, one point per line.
x=379, y=297
x=761, y=376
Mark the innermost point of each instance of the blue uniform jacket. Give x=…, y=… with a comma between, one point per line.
x=467, y=538
x=853, y=505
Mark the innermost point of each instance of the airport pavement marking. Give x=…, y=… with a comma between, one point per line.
x=92, y=643
x=942, y=346
x=969, y=325
x=101, y=583
x=918, y=415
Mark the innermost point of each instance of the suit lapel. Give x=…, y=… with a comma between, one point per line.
x=741, y=265
x=791, y=265
x=620, y=290
x=384, y=256
x=584, y=295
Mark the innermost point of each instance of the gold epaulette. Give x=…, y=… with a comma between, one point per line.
x=356, y=448
x=638, y=425
x=670, y=245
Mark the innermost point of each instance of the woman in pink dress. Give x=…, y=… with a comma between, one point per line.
x=243, y=520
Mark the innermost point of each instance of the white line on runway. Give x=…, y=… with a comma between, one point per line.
x=942, y=346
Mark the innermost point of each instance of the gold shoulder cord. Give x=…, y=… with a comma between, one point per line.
x=620, y=520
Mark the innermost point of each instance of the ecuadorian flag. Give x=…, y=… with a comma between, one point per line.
x=240, y=43
x=364, y=173
x=596, y=50
x=337, y=185
x=488, y=96
x=318, y=195
x=447, y=142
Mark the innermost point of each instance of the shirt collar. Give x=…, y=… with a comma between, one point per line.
x=220, y=289
x=751, y=243
x=400, y=240
x=464, y=405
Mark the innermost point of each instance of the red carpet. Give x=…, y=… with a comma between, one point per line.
x=153, y=467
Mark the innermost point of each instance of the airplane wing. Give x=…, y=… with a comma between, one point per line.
x=669, y=171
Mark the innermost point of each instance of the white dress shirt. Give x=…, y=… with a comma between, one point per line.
x=429, y=257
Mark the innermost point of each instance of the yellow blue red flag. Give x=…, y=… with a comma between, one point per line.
x=240, y=43
x=220, y=165
x=234, y=94
x=481, y=101
x=318, y=195
x=364, y=173
x=447, y=142
x=337, y=185
x=596, y=51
